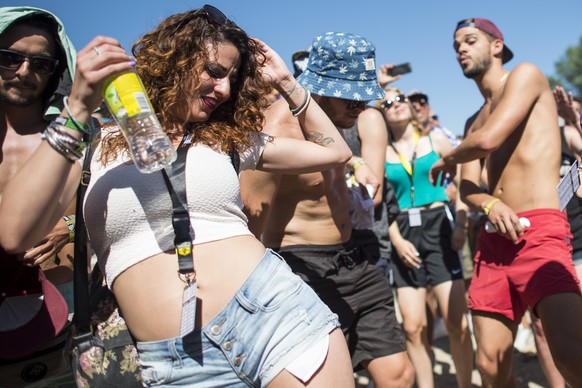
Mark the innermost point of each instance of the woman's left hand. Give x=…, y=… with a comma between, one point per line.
x=274, y=70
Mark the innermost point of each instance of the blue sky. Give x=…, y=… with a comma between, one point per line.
x=419, y=32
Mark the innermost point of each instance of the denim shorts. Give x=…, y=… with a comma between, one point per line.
x=273, y=318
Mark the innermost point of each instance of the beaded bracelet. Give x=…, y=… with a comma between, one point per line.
x=297, y=111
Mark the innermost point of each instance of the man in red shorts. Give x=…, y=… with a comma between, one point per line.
x=525, y=258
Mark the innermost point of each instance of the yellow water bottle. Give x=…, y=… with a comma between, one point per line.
x=128, y=102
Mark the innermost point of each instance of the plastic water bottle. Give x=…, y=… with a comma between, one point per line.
x=126, y=98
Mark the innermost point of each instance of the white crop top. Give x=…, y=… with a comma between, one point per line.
x=129, y=214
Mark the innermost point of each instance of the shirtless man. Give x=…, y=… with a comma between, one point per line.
x=34, y=57
x=306, y=217
x=524, y=264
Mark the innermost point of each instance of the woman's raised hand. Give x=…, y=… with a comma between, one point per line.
x=99, y=60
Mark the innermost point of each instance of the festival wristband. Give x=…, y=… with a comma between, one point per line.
x=70, y=221
x=487, y=208
x=358, y=163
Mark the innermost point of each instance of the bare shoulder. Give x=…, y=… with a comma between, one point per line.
x=527, y=72
x=280, y=122
x=371, y=122
x=526, y=87
x=441, y=142
x=370, y=114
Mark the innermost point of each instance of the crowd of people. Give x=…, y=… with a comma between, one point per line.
x=333, y=246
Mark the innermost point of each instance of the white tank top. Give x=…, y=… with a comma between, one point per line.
x=129, y=214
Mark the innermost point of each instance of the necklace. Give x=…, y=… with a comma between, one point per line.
x=501, y=82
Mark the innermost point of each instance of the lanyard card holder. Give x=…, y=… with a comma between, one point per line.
x=414, y=218
x=176, y=182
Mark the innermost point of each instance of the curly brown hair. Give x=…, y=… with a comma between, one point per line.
x=169, y=61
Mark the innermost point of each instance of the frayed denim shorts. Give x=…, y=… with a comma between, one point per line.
x=273, y=318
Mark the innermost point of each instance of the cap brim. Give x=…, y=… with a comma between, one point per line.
x=356, y=90
x=35, y=333
x=506, y=54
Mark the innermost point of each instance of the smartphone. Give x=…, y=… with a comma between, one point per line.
x=400, y=69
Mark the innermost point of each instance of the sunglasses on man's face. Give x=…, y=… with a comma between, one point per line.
x=353, y=104
x=418, y=100
x=389, y=103
x=12, y=60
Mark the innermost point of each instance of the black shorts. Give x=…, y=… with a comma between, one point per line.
x=432, y=239
x=350, y=284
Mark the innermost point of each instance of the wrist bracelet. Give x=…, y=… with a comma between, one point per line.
x=70, y=221
x=69, y=123
x=487, y=208
x=297, y=111
x=293, y=89
x=358, y=163
x=83, y=128
x=459, y=225
x=63, y=142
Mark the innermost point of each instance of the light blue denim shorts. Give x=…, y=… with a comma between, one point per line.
x=273, y=318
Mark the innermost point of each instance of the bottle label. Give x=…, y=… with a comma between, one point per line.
x=126, y=96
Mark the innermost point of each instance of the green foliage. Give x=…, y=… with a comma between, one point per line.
x=569, y=70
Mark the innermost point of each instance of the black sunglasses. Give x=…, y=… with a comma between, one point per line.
x=12, y=60
x=388, y=103
x=214, y=15
x=418, y=99
x=353, y=104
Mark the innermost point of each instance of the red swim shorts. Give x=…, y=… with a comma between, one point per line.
x=508, y=278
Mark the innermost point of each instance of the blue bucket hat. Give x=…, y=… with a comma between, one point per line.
x=342, y=65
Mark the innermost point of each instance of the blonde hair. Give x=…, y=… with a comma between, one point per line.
x=413, y=119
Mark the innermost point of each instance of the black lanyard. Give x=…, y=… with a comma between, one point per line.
x=175, y=179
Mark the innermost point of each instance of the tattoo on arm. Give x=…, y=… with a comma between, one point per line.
x=318, y=138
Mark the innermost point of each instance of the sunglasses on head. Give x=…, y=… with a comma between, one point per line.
x=389, y=103
x=353, y=104
x=12, y=60
x=214, y=15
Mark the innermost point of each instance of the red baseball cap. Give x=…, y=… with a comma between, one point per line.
x=489, y=27
x=32, y=310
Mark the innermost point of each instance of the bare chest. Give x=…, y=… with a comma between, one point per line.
x=16, y=150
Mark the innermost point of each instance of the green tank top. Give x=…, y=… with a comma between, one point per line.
x=424, y=192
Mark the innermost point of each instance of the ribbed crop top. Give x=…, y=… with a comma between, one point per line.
x=129, y=214
x=424, y=192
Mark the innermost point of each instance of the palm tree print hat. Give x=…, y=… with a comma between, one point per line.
x=342, y=65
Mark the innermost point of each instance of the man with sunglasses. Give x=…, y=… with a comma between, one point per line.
x=306, y=217
x=36, y=65
x=524, y=258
